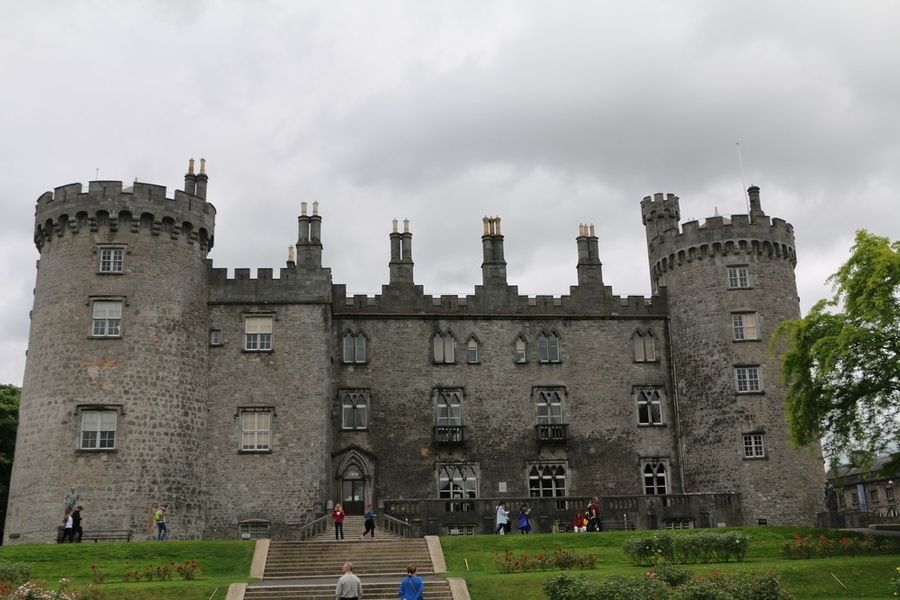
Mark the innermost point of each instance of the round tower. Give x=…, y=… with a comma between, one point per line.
x=114, y=396
x=729, y=282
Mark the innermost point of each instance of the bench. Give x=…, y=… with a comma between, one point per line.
x=110, y=535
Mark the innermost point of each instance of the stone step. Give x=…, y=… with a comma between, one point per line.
x=434, y=590
x=287, y=560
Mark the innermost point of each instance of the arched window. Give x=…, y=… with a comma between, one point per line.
x=644, y=345
x=548, y=348
x=457, y=482
x=521, y=356
x=354, y=409
x=472, y=351
x=654, y=479
x=449, y=408
x=444, y=348
x=549, y=406
x=354, y=348
x=649, y=403
x=547, y=481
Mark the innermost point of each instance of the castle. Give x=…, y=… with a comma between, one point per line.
x=249, y=405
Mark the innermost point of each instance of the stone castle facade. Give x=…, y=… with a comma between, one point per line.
x=249, y=404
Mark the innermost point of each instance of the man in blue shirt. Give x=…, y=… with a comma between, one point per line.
x=412, y=587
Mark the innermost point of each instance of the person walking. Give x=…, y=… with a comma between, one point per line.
x=337, y=515
x=502, y=519
x=76, y=523
x=412, y=587
x=369, y=517
x=159, y=517
x=349, y=587
x=67, y=528
x=524, y=522
x=595, y=521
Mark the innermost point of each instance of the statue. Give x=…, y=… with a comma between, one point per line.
x=71, y=499
x=830, y=497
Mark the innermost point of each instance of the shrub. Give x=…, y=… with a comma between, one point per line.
x=34, y=590
x=650, y=550
x=164, y=572
x=14, y=572
x=98, y=574
x=701, y=547
x=188, y=570
x=568, y=587
x=621, y=587
x=895, y=583
x=673, y=576
x=558, y=559
x=717, y=585
x=128, y=576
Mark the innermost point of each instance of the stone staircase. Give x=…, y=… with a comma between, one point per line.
x=313, y=559
x=437, y=589
x=354, y=525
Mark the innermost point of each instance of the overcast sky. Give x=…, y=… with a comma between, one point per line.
x=547, y=114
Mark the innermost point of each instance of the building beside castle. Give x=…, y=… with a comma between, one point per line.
x=249, y=404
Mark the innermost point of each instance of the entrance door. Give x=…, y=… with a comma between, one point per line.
x=353, y=491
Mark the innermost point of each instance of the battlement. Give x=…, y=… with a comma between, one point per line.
x=142, y=207
x=660, y=206
x=292, y=286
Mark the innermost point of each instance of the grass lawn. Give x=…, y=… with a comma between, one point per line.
x=864, y=576
x=221, y=563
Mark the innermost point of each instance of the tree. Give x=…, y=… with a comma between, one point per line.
x=9, y=421
x=841, y=362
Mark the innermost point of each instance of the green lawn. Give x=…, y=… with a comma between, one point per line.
x=221, y=563
x=865, y=577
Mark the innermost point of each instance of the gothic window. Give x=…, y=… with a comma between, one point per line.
x=754, y=445
x=743, y=326
x=521, y=347
x=444, y=348
x=644, y=344
x=654, y=478
x=98, y=429
x=747, y=379
x=354, y=348
x=354, y=409
x=449, y=407
x=738, y=277
x=456, y=481
x=649, y=404
x=258, y=333
x=547, y=481
x=549, y=406
x=256, y=430
x=472, y=351
x=112, y=259
x=106, y=319
x=548, y=348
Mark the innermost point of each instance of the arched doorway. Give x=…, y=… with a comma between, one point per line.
x=354, y=479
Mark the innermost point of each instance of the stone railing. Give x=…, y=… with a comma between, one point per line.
x=396, y=526
x=311, y=529
x=477, y=515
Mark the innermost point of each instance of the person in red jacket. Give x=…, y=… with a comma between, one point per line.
x=595, y=521
x=337, y=515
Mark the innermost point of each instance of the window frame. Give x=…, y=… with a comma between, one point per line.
x=739, y=331
x=541, y=468
x=550, y=418
x=82, y=411
x=215, y=337
x=472, y=345
x=112, y=261
x=756, y=448
x=358, y=346
x=465, y=492
x=258, y=340
x=360, y=404
x=747, y=379
x=734, y=280
x=659, y=467
x=643, y=392
x=256, y=431
x=520, y=350
x=643, y=346
x=107, y=319
x=441, y=343
x=444, y=397
x=548, y=343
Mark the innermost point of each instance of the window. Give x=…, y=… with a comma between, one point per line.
x=547, y=481
x=354, y=409
x=644, y=344
x=754, y=445
x=449, y=407
x=457, y=482
x=854, y=499
x=444, y=348
x=256, y=430
x=684, y=523
x=107, y=318
x=258, y=333
x=739, y=277
x=841, y=502
x=461, y=529
x=743, y=326
x=549, y=406
x=354, y=348
x=112, y=260
x=472, y=351
x=215, y=337
x=873, y=496
x=649, y=403
x=747, y=379
x=654, y=478
x=520, y=350
x=548, y=348
x=889, y=492
x=98, y=429
x=253, y=529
